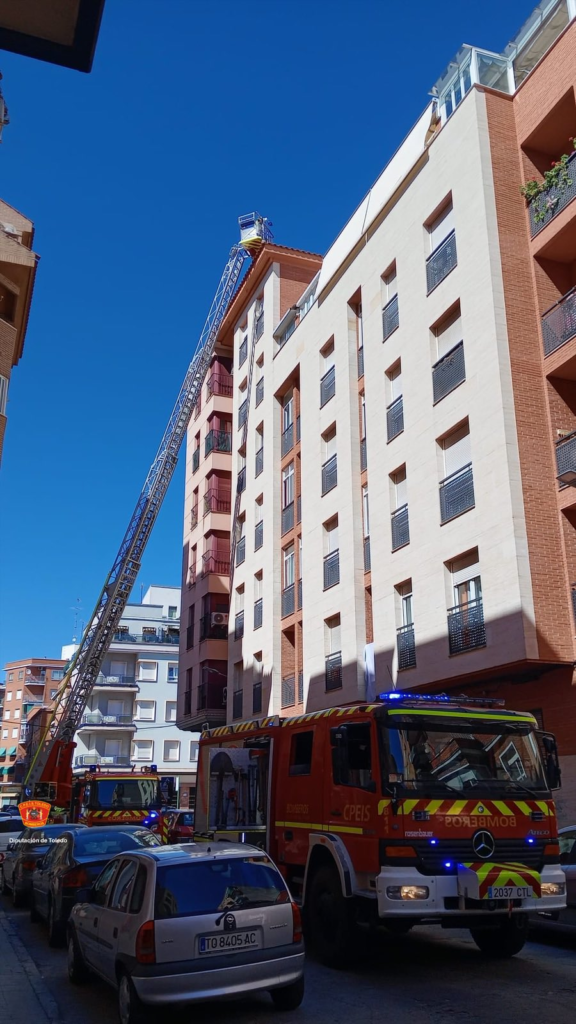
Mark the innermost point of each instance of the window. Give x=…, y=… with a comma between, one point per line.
x=173, y=672
x=441, y=227
x=170, y=714
x=7, y=713
x=15, y=733
x=390, y=319
x=193, y=750
x=442, y=248
x=57, y=674
x=331, y=553
x=288, y=485
x=53, y=694
x=328, y=370
x=138, y=890
x=9, y=695
x=18, y=694
x=17, y=713
x=123, y=886
x=301, y=753
x=172, y=611
x=352, y=757
x=10, y=677
x=5, y=734
x=466, y=579
x=3, y=390
x=288, y=566
x=448, y=333
x=103, y=883
x=142, y=750
x=466, y=629
x=330, y=463
x=21, y=673
x=288, y=409
x=145, y=710
x=147, y=671
x=171, y=750
x=395, y=409
x=457, y=487
x=332, y=635
x=365, y=511
x=448, y=369
x=258, y=586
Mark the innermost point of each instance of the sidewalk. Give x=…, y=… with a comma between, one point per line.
x=24, y=998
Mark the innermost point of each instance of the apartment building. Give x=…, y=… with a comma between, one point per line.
x=17, y=273
x=406, y=481
x=29, y=686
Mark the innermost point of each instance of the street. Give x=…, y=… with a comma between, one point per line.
x=432, y=977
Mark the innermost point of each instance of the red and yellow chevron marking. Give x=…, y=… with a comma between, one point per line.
x=116, y=815
x=472, y=808
x=490, y=874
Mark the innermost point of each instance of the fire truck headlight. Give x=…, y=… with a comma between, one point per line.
x=553, y=888
x=407, y=892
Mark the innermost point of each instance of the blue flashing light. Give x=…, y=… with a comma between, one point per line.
x=530, y=840
x=447, y=863
x=410, y=695
x=146, y=822
x=153, y=814
x=433, y=842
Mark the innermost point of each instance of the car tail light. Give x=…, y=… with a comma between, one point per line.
x=76, y=878
x=29, y=864
x=296, y=923
x=145, y=945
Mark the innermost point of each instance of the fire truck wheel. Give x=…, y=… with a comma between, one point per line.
x=289, y=997
x=504, y=941
x=331, y=919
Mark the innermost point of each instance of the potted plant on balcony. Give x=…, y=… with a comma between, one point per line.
x=544, y=196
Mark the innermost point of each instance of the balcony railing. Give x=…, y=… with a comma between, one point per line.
x=330, y=474
x=210, y=695
x=243, y=413
x=218, y=441
x=241, y=482
x=299, y=588
x=288, y=517
x=331, y=569
x=559, y=322
x=448, y=372
x=258, y=535
x=195, y=459
x=390, y=319
x=220, y=384
x=300, y=696
x=191, y=575
x=211, y=630
x=363, y=455
x=257, y=698
x=466, y=627
x=161, y=637
x=217, y=562
x=456, y=493
x=193, y=517
x=237, y=704
x=400, y=527
x=288, y=692
x=258, y=613
x=243, y=352
x=111, y=721
x=113, y=681
x=299, y=509
x=548, y=204
x=216, y=500
x=406, y=646
x=259, y=462
x=395, y=418
x=297, y=428
x=240, y=550
x=367, y=558
x=333, y=671
x=361, y=361
x=441, y=262
x=260, y=327
x=287, y=442
x=83, y=760
x=239, y=626
x=189, y=637
x=259, y=391
x=566, y=454
x=288, y=600
x=328, y=386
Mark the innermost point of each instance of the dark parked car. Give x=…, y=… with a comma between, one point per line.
x=180, y=826
x=22, y=857
x=75, y=863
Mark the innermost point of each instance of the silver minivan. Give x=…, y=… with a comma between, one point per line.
x=178, y=924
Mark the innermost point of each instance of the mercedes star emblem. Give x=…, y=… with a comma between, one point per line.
x=483, y=844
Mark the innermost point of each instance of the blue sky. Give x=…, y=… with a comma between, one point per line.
x=134, y=175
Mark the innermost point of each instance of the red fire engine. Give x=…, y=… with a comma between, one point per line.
x=110, y=797
x=413, y=810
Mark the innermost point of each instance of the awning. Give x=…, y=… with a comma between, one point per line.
x=2, y=751
x=12, y=752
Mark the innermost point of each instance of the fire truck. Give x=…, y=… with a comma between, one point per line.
x=412, y=810
x=108, y=797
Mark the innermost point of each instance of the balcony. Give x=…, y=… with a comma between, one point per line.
x=237, y=704
x=194, y=517
x=239, y=626
x=456, y=493
x=162, y=637
x=566, y=458
x=195, y=459
x=333, y=671
x=287, y=441
x=361, y=361
x=109, y=682
x=287, y=518
x=299, y=588
x=258, y=535
x=241, y=481
x=216, y=500
x=395, y=418
x=98, y=720
x=217, y=562
x=243, y=413
x=243, y=352
x=257, y=699
x=288, y=600
x=218, y=441
x=331, y=569
x=328, y=386
x=84, y=760
x=260, y=391
x=288, y=692
x=258, y=613
x=400, y=527
x=466, y=627
x=240, y=550
x=559, y=322
x=441, y=262
x=390, y=318
x=329, y=474
x=448, y=372
x=300, y=696
x=210, y=629
x=363, y=455
x=544, y=207
x=210, y=705
x=367, y=558
x=406, y=647
x=220, y=384
x=259, y=462
x=189, y=636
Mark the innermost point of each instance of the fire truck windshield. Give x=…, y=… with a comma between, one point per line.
x=130, y=794
x=428, y=756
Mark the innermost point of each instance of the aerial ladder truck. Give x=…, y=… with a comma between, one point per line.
x=100, y=797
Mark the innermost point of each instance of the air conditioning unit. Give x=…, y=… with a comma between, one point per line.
x=219, y=619
x=225, y=695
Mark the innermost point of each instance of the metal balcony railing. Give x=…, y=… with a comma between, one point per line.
x=189, y=637
x=466, y=627
x=220, y=384
x=111, y=721
x=441, y=262
x=363, y=455
x=333, y=671
x=287, y=518
x=258, y=613
x=239, y=626
x=211, y=630
x=299, y=588
x=218, y=441
x=257, y=698
x=548, y=204
x=82, y=760
x=300, y=695
x=258, y=535
x=241, y=482
x=297, y=428
x=299, y=509
x=559, y=322
x=113, y=681
x=237, y=704
x=193, y=517
x=195, y=459
x=259, y=462
x=456, y=493
x=240, y=550
x=259, y=390
x=361, y=361
x=243, y=352
x=210, y=695
x=406, y=646
x=288, y=692
x=367, y=558
x=243, y=413
x=395, y=418
x=161, y=637
x=448, y=372
x=329, y=474
x=331, y=569
x=566, y=454
x=328, y=386
x=260, y=327
x=191, y=575
x=390, y=318
x=288, y=600
x=217, y=562
x=216, y=500
x=400, y=527
x=287, y=442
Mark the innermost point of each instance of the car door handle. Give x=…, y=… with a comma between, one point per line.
x=95, y=921
x=115, y=933
x=336, y=814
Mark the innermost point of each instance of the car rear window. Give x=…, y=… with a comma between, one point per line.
x=11, y=825
x=205, y=887
x=91, y=844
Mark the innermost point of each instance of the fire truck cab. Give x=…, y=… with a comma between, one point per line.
x=108, y=797
x=413, y=810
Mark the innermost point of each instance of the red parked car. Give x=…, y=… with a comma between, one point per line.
x=180, y=827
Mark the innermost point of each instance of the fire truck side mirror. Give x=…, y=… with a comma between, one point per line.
x=549, y=750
